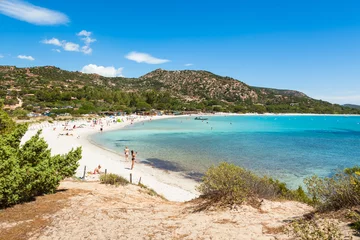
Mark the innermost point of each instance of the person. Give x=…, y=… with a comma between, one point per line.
x=126, y=152
x=97, y=170
x=101, y=129
x=133, y=155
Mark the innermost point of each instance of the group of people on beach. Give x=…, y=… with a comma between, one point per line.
x=133, y=155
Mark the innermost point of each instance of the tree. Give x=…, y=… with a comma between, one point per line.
x=6, y=124
x=29, y=170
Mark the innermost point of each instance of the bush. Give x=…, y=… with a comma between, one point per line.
x=113, y=179
x=29, y=170
x=340, y=191
x=151, y=191
x=314, y=230
x=229, y=184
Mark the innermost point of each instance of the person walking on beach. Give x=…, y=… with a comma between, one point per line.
x=126, y=152
x=133, y=155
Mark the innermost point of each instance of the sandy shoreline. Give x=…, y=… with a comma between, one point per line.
x=172, y=186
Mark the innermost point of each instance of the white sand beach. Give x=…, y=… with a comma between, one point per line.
x=172, y=186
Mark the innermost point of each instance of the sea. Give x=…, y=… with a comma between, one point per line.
x=289, y=148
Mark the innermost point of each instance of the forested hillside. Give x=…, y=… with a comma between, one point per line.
x=57, y=91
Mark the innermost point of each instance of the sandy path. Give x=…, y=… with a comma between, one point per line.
x=108, y=212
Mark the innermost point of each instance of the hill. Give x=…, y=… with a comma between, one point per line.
x=52, y=90
x=352, y=106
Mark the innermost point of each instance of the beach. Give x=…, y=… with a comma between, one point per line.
x=291, y=148
x=172, y=186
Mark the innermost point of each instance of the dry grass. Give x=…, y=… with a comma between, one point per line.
x=23, y=220
x=225, y=221
x=273, y=230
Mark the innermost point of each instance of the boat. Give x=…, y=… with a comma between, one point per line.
x=201, y=118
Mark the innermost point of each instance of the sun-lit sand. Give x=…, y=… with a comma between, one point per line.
x=172, y=186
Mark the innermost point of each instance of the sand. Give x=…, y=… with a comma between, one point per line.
x=90, y=210
x=173, y=186
x=128, y=212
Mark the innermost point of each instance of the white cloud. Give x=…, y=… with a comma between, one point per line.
x=145, y=58
x=26, y=57
x=84, y=33
x=56, y=50
x=32, y=14
x=1, y=56
x=86, y=50
x=71, y=47
x=188, y=64
x=53, y=41
x=103, y=71
x=88, y=40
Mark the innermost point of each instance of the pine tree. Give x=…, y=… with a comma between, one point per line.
x=29, y=170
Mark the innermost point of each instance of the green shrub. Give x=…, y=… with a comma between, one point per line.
x=340, y=191
x=226, y=183
x=151, y=191
x=314, y=230
x=29, y=170
x=113, y=179
x=229, y=184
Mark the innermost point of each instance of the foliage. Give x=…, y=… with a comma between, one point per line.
x=113, y=179
x=314, y=230
x=354, y=217
x=6, y=124
x=29, y=170
x=19, y=114
x=339, y=191
x=151, y=191
x=229, y=184
x=50, y=88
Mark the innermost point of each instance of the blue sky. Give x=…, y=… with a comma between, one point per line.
x=310, y=46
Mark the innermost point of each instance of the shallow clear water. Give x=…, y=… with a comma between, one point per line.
x=287, y=147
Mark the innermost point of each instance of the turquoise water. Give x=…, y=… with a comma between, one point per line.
x=287, y=147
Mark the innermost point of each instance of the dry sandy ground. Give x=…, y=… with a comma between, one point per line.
x=90, y=210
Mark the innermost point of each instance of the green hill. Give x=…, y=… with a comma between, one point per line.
x=54, y=90
x=352, y=106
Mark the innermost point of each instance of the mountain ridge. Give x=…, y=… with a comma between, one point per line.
x=50, y=86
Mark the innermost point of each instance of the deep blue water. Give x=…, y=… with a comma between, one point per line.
x=287, y=147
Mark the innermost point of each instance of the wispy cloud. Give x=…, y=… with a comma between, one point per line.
x=86, y=49
x=188, y=64
x=1, y=56
x=87, y=40
x=27, y=12
x=73, y=47
x=145, y=58
x=84, y=33
x=53, y=41
x=56, y=50
x=26, y=57
x=103, y=71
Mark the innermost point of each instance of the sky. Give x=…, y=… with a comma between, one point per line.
x=309, y=46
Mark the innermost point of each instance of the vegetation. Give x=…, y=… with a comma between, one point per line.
x=113, y=179
x=151, y=191
x=339, y=191
x=55, y=91
x=228, y=184
x=314, y=229
x=29, y=170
